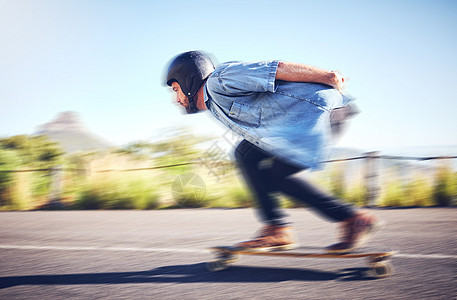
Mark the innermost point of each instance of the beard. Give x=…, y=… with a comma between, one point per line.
x=192, y=107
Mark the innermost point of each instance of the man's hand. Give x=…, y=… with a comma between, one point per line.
x=302, y=73
x=338, y=81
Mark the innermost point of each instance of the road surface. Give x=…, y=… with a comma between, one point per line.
x=162, y=255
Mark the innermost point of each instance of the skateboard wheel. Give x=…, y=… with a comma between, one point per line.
x=226, y=256
x=230, y=258
x=381, y=270
x=216, y=265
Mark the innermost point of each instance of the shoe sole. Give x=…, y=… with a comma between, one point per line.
x=367, y=236
x=269, y=249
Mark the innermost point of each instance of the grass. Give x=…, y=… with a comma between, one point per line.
x=356, y=195
x=445, y=188
x=418, y=192
x=393, y=194
x=118, y=191
x=152, y=189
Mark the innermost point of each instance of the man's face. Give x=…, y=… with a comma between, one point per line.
x=180, y=97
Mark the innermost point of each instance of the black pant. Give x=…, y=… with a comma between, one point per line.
x=266, y=174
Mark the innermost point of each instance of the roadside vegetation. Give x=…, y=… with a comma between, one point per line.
x=133, y=177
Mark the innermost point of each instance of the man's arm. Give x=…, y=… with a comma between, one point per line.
x=288, y=71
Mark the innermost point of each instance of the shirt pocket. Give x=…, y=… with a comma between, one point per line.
x=245, y=114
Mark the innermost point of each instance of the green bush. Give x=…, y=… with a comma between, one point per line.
x=34, y=150
x=356, y=195
x=191, y=197
x=227, y=192
x=122, y=192
x=445, y=190
x=91, y=198
x=41, y=183
x=337, y=179
x=240, y=196
x=9, y=160
x=419, y=192
x=453, y=188
x=143, y=192
x=393, y=194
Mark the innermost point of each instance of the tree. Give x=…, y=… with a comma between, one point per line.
x=38, y=150
x=9, y=160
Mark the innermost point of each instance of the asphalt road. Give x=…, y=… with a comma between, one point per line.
x=161, y=255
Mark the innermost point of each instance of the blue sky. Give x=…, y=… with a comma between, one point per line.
x=105, y=60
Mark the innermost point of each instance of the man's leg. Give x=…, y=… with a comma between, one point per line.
x=327, y=205
x=275, y=235
x=278, y=177
x=358, y=226
x=248, y=157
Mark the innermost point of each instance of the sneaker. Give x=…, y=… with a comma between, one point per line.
x=271, y=237
x=356, y=232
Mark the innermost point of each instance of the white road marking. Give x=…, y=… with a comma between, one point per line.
x=427, y=256
x=100, y=248
x=177, y=250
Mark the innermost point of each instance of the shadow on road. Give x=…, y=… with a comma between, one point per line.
x=187, y=274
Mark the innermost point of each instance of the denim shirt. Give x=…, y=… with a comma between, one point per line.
x=289, y=120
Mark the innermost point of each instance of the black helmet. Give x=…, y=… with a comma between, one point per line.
x=190, y=70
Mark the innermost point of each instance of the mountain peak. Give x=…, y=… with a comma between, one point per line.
x=65, y=121
x=68, y=129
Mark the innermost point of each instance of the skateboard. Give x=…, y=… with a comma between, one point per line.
x=378, y=263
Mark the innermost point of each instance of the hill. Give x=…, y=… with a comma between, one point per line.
x=69, y=131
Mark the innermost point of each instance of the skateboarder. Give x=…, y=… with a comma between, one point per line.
x=284, y=112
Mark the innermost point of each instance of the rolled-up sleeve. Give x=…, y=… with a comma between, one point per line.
x=238, y=78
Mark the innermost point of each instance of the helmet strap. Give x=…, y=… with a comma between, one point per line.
x=192, y=109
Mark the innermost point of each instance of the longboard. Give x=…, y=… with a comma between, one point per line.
x=377, y=260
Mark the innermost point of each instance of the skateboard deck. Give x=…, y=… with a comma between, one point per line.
x=377, y=260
